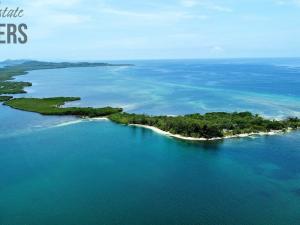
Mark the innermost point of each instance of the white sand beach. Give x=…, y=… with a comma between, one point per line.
x=159, y=131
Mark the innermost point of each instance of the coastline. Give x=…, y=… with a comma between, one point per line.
x=165, y=133
x=178, y=136
x=185, y=124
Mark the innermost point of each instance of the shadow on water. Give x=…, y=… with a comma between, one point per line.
x=191, y=145
x=201, y=145
x=296, y=192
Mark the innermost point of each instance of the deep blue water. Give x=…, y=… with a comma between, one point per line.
x=58, y=170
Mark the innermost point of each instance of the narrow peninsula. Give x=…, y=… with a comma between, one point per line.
x=210, y=126
x=53, y=106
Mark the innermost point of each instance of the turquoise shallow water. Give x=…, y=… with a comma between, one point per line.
x=179, y=87
x=118, y=175
x=58, y=170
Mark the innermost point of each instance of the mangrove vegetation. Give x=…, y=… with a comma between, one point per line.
x=53, y=106
x=5, y=98
x=11, y=87
x=209, y=125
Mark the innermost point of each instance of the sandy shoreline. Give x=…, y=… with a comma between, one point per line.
x=168, y=134
x=159, y=131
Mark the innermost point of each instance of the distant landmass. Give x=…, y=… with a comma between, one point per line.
x=22, y=67
x=209, y=126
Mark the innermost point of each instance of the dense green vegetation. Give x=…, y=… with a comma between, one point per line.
x=7, y=73
x=53, y=106
x=5, y=98
x=209, y=125
x=13, y=87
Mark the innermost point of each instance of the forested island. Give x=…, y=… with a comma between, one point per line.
x=209, y=126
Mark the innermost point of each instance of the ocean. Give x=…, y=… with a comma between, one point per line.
x=64, y=170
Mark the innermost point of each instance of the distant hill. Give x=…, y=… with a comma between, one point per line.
x=10, y=62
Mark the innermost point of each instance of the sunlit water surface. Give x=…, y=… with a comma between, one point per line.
x=62, y=170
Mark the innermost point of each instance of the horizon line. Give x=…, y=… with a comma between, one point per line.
x=152, y=59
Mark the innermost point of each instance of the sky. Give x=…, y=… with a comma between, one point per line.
x=155, y=29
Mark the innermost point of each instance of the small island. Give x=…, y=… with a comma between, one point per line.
x=210, y=126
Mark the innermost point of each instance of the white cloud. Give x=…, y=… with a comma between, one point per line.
x=219, y=8
x=152, y=16
x=55, y=13
x=209, y=5
x=67, y=19
x=288, y=2
x=54, y=3
x=189, y=3
x=46, y=17
x=217, y=50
